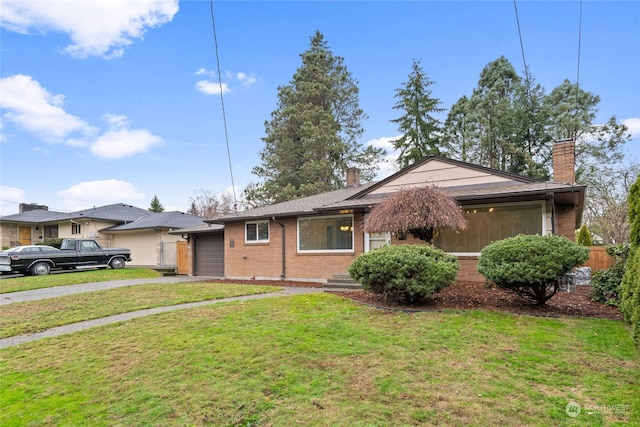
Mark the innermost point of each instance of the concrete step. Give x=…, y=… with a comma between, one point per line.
x=342, y=281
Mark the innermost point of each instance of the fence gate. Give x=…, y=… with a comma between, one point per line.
x=181, y=257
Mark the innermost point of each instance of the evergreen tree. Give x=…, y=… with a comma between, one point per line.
x=421, y=131
x=460, y=136
x=531, y=156
x=573, y=116
x=156, y=206
x=584, y=236
x=510, y=124
x=630, y=286
x=312, y=136
x=492, y=103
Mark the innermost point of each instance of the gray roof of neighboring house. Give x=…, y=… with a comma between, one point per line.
x=174, y=219
x=125, y=217
x=118, y=212
x=36, y=215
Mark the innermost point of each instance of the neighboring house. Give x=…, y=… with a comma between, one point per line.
x=317, y=237
x=117, y=225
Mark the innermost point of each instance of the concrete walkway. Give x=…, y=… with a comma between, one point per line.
x=60, y=291
x=39, y=294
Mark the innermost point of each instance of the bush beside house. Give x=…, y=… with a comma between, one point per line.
x=605, y=284
x=404, y=273
x=532, y=266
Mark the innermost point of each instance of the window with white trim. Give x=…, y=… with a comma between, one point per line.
x=75, y=228
x=326, y=234
x=256, y=232
x=490, y=223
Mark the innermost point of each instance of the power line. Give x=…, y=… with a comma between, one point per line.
x=578, y=68
x=224, y=114
x=524, y=61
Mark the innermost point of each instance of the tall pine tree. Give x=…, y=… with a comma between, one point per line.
x=421, y=131
x=510, y=124
x=312, y=136
x=573, y=115
x=156, y=206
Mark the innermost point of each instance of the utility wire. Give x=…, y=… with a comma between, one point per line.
x=224, y=114
x=578, y=70
x=524, y=61
x=515, y=7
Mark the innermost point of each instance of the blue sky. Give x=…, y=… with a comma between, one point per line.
x=105, y=102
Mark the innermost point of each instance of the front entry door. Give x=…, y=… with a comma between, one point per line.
x=24, y=235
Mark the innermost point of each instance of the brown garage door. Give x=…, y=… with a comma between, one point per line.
x=209, y=255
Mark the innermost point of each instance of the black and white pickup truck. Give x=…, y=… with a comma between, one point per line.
x=73, y=253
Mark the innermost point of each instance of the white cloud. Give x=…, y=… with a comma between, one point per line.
x=211, y=88
x=10, y=199
x=117, y=121
x=389, y=164
x=246, y=79
x=100, y=192
x=120, y=143
x=204, y=72
x=633, y=124
x=96, y=27
x=33, y=108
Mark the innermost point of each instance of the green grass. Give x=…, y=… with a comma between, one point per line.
x=28, y=283
x=320, y=360
x=36, y=316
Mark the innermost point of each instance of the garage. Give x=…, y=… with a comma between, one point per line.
x=208, y=250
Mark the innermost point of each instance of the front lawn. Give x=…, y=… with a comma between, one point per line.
x=322, y=360
x=36, y=316
x=73, y=277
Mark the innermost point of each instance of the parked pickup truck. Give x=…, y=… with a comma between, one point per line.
x=73, y=253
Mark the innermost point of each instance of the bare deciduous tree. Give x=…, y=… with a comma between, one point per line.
x=607, y=208
x=208, y=205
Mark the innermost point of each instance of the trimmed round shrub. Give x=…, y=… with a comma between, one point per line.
x=532, y=266
x=404, y=273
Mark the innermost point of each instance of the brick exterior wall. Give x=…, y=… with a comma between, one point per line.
x=468, y=271
x=566, y=222
x=9, y=234
x=264, y=260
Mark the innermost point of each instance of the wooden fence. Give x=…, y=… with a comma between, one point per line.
x=598, y=259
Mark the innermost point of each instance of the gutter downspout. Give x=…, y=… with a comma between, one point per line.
x=282, y=275
x=553, y=213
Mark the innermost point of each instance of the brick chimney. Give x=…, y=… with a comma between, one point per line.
x=564, y=161
x=353, y=177
x=24, y=207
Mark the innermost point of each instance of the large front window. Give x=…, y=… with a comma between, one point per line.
x=326, y=234
x=489, y=223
